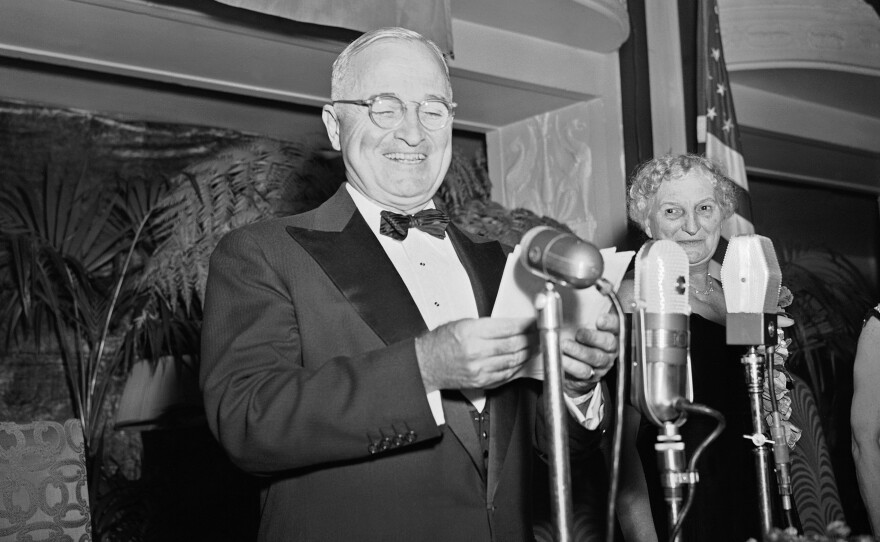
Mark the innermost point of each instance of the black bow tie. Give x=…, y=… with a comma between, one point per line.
x=430, y=221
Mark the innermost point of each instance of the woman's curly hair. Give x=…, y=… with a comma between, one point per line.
x=645, y=183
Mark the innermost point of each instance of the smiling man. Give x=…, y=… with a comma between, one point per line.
x=347, y=356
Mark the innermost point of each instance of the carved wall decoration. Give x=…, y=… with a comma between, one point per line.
x=548, y=168
x=842, y=35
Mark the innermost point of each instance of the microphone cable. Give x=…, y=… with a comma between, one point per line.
x=606, y=289
x=780, y=446
x=695, y=408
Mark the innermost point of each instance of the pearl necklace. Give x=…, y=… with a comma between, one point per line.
x=709, y=290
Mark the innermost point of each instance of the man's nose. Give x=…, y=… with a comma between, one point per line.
x=411, y=129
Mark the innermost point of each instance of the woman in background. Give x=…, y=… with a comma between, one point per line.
x=865, y=416
x=685, y=198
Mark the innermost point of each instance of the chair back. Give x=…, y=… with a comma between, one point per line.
x=43, y=489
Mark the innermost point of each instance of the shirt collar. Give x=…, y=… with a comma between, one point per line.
x=370, y=210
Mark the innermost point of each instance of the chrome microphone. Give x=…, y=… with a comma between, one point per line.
x=661, y=373
x=563, y=258
x=752, y=280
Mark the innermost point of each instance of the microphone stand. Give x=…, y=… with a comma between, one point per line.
x=673, y=475
x=754, y=330
x=754, y=371
x=549, y=306
x=669, y=446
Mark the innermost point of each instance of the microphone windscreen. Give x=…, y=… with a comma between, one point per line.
x=561, y=257
x=662, y=278
x=751, y=275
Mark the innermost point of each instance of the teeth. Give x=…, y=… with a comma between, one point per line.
x=405, y=157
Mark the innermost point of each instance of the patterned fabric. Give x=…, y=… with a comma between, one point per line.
x=430, y=221
x=814, y=486
x=43, y=491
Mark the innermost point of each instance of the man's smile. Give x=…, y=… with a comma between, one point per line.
x=406, y=157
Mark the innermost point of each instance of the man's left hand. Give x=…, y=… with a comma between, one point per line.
x=590, y=355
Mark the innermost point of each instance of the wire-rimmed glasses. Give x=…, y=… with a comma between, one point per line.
x=387, y=111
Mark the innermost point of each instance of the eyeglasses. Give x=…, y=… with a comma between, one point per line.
x=387, y=111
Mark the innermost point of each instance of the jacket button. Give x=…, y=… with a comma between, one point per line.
x=372, y=449
x=411, y=436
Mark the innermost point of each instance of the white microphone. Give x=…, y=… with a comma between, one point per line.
x=661, y=373
x=752, y=279
x=563, y=258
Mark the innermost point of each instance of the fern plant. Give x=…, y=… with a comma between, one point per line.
x=238, y=186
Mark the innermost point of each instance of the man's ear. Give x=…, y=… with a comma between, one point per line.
x=331, y=122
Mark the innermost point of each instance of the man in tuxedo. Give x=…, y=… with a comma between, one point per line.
x=347, y=356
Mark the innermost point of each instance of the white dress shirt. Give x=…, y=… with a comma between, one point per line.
x=435, y=278
x=442, y=291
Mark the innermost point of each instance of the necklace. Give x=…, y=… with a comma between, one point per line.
x=708, y=290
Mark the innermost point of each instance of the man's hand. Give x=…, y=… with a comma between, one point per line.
x=590, y=355
x=475, y=353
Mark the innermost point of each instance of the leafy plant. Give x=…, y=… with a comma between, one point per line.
x=238, y=186
x=70, y=251
x=831, y=296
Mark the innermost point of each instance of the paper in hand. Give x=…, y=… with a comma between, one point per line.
x=580, y=308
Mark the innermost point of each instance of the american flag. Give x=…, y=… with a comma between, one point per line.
x=716, y=120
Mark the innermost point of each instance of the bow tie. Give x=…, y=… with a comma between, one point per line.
x=430, y=221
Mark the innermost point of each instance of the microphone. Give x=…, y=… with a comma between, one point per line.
x=752, y=279
x=563, y=258
x=661, y=337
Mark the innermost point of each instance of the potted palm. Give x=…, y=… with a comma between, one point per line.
x=70, y=251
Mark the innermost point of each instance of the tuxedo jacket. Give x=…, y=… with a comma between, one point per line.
x=310, y=379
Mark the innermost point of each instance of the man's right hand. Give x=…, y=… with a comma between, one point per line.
x=475, y=353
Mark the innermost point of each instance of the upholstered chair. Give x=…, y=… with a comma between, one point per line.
x=43, y=490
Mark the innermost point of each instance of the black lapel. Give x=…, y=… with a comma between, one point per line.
x=484, y=263
x=456, y=410
x=356, y=263
x=504, y=403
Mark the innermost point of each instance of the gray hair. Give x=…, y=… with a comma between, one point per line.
x=342, y=64
x=651, y=174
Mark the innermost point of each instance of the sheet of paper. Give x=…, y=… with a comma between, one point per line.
x=580, y=308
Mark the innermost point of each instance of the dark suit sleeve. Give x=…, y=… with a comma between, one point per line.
x=271, y=409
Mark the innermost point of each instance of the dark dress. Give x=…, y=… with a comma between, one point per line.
x=725, y=507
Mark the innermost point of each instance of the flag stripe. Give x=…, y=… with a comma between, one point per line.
x=731, y=159
x=717, y=127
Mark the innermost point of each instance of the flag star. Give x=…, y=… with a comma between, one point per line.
x=711, y=113
x=716, y=54
x=721, y=90
x=728, y=125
